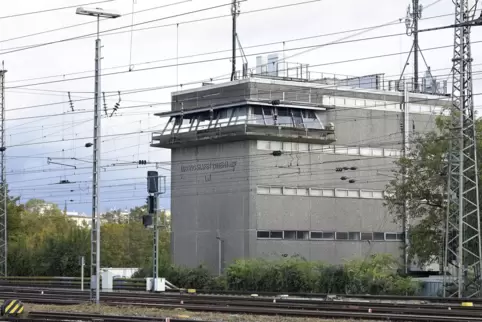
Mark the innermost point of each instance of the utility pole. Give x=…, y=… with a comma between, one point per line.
x=463, y=253
x=3, y=187
x=95, y=228
x=95, y=231
x=406, y=146
x=234, y=13
x=413, y=17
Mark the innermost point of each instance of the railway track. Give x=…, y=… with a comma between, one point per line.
x=353, y=309
x=137, y=285
x=50, y=316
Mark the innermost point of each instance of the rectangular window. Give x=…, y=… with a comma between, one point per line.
x=391, y=236
x=328, y=193
x=400, y=236
x=366, y=236
x=341, y=150
x=302, y=235
x=341, y=236
x=316, y=192
x=263, y=190
x=354, y=236
x=353, y=151
x=328, y=235
x=275, y=190
x=263, y=145
x=365, y=151
x=354, y=193
x=289, y=191
x=316, y=148
x=288, y=146
x=302, y=192
x=263, y=234
x=290, y=235
x=276, y=146
x=366, y=194
x=378, y=236
x=377, y=194
x=341, y=193
x=303, y=147
x=276, y=235
x=316, y=235
x=377, y=152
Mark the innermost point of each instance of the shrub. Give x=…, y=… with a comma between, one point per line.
x=376, y=275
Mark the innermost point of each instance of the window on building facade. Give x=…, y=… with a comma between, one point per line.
x=263, y=234
x=320, y=192
x=302, y=235
x=290, y=234
x=391, y=236
x=378, y=236
x=316, y=235
x=354, y=236
x=327, y=235
x=276, y=235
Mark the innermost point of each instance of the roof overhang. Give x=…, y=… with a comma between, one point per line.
x=244, y=103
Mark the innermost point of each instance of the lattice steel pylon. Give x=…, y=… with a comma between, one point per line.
x=463, y=252
x=3, y=178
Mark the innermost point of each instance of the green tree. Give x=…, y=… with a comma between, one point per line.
x=424, y=191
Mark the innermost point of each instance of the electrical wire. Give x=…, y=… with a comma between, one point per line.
x=50, y=10
x=209, y=53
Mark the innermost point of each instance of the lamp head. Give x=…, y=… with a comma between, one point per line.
x=97, y=12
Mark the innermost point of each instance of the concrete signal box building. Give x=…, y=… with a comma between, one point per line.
x=271, y=166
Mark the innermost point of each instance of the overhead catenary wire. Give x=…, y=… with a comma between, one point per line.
x=85, y=23
x=209, y=53
x=50, y=10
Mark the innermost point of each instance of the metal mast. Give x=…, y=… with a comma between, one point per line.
x=463, y=252
x=95, y=237
x=3, y=185
x=234, y=13
x=413, y=16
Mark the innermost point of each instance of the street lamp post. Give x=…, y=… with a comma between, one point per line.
x=95, y=228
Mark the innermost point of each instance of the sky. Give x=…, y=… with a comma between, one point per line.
x=164, y=46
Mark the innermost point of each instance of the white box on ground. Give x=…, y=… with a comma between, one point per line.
x=107, y=281
x=156, y=284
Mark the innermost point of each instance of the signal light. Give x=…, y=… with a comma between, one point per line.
x=147, y=220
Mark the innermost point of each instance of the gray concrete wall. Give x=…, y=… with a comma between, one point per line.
x=209, y=199
x=317, y=170
x=213, y=198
